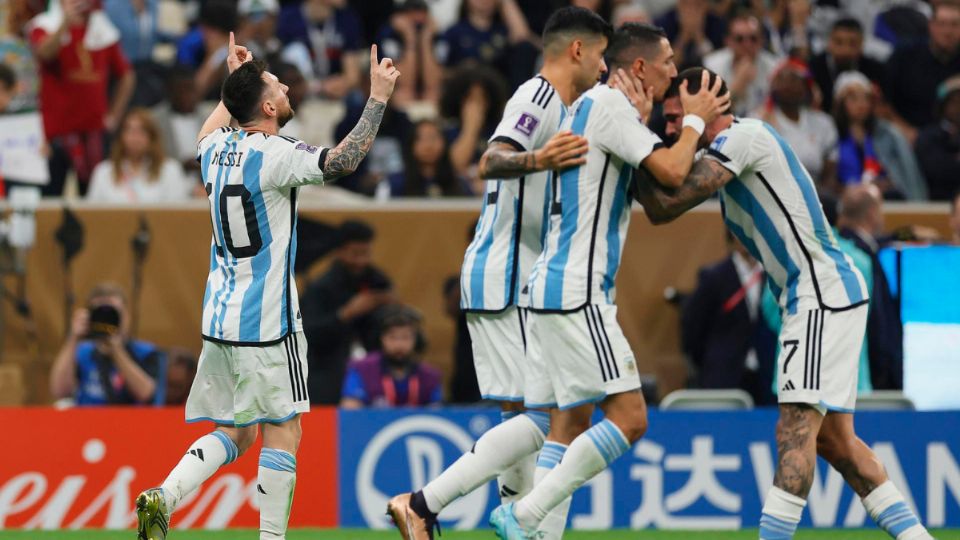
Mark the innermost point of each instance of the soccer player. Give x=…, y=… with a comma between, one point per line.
x=574, y=341
x=252, y=370
x=508, y=239
x=769, y=202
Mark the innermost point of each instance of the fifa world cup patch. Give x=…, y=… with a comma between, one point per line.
x=526, y=124
x=306, y=147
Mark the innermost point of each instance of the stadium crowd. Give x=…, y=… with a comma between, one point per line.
x=866, y=91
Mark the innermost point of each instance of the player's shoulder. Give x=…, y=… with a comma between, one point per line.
x=220, y=134
x=745, y=129
x=536, y=92
x=605, y=97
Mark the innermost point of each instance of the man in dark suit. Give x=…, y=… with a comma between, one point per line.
x=861, y=221
x=844, y=53
x=722, y=329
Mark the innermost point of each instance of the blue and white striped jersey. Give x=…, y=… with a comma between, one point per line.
x=773, y=208
x=509, y=234
x=251, y=180
x=590, y=206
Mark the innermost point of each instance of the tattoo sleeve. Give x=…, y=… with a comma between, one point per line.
x=662, y=204
x=346, y=157
x=502, y=160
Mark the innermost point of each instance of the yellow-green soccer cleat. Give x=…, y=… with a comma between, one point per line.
x=152, y=516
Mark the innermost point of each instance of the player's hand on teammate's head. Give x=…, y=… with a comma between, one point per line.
x=707, y=103
x=237, y=55
x=641, y=98
x=383, y=77
x=562, y=151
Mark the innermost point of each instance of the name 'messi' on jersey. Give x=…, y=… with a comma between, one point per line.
x=251, y=180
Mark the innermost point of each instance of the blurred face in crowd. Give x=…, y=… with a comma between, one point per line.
x=951, y=109
x=745, y=38
x=428, y=144
x=858, y=102
x=592, y=65
x=136, y=137
x=592, y=5
x=179, y=380
x=399, y=342
x=183, y=95
x=482, y=8
x=789, y=88
x=355, y=256
x=659, y=71
x=945, y=28
x=846, y=47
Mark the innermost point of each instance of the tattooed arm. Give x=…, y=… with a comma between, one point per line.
x=503, y=160
x=346, y=156
x=662, y=205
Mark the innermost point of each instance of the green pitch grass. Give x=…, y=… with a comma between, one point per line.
x=356, y=534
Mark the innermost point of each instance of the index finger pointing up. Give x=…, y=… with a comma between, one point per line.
x=232, y=46
x=373, y=55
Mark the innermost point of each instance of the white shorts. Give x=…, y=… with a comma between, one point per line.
x=499, y=341
x=241, y=386
x=820, y=357
x=577, y=358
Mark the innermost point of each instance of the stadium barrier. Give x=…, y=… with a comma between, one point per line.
x=694, y=470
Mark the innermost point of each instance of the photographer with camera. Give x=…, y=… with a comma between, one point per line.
x=98, y=364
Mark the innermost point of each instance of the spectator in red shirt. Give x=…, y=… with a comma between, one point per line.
x=79, y=52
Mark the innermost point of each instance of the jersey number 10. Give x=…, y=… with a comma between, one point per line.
x=238, y=222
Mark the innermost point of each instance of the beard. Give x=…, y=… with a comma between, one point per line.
x=285, y=117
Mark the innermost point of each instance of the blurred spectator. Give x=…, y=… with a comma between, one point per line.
x=16, y=54
x=137, y=22
x=693, y=31
x=427, y=171
x=844, y=53
x=492, y=33
x=861, y=221
x=955, y=218
x=179, y=119
x=138, y=170
x=8, y=87
x=463, y=380
x=721, y=328
x=409, y=40
x=811, y=133
x=99, y=364
x=629, y=13
x=393, y=376
x=181, y=370
x=258, y=26
x=205, y=47
x=744, y=64
x=386, y=154
x=796, y=35
x=871, y=150
x=323, y=39
x=374, y=14
x=604, y=8
x=914, y=70
x=339, y=310
x=471, y=104
x=938, y=145
x=297, y=89
x=79, y=52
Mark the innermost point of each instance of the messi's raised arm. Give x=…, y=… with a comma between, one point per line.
x=237, y=55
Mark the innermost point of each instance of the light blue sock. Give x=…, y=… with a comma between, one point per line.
x=886, y=506
x=276, y=478
x=781, y=515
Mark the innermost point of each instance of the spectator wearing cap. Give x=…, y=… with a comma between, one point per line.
x=409, y=38
x=393, y=375
x=693, y=30
x=339, y=311
x=205, y=47
x=323, y=38
x=811, y=133
x=257, y=26
x=938, y=145
x=844, y=53
x=79, y=52
x=744, y=64
x=914, y=70
x=871, y=150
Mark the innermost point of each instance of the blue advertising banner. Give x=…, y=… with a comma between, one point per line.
x=693, y=470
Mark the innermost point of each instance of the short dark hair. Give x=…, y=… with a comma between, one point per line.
x=219, y=15
x=847, y=23
x=641, y=38
x=243, y=91
x=575, y=20
x=8, y=79
x=693, y=77
x=353, y=230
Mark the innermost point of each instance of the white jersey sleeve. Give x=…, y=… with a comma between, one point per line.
x=293, y=163
x=733, y=148
x=528, y=122
x=624, y=135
